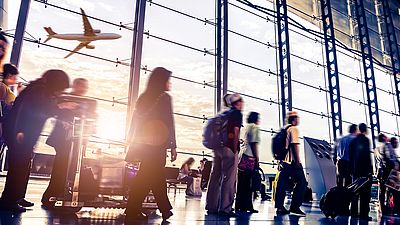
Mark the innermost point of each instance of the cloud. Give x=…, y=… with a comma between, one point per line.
x=105, y=6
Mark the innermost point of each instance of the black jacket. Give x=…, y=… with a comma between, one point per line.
x=360, y=156
x=29, y=113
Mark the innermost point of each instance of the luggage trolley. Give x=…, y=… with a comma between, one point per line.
x=95, y=182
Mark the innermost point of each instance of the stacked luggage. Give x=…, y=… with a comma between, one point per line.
x=337, y=200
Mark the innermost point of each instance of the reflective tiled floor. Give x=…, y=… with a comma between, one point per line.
x=187, y=211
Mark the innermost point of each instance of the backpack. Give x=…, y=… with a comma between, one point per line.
x=279, y=150
x=215, y=132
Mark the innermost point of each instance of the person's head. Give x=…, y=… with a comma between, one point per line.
x=226, y=101
x=80, y=86
x=56, y=81
x=158, y=82
x=394, y=142
x=236, y=101
x=189, y=162
x=363, y=128
x=10, y=74
x=253, y=117
x=3, y=46
x=353, y=129
x=292, y=118
x=382, y=138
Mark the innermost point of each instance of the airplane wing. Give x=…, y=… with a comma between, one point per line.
x=88, y=29
x=79, y=47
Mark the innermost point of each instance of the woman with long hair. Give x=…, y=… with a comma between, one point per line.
x=152, y=133
x=185, y=174
x=247, y=165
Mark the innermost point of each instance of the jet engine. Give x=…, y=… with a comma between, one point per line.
x=96, y=31
x=90, y=46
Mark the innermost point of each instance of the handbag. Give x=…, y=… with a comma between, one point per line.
x=247, y=163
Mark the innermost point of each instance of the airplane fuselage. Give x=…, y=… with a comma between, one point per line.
x=83, y=38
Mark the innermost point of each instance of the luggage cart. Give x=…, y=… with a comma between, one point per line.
x=98, y=183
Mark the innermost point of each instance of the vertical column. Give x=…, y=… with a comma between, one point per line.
x=225, y=52
x=20, y=31
x=284, y=57
x=332, y=68
x=4, y=14
x=393, y=47
x=218, y=55
x=136, y=59
x=368, y=69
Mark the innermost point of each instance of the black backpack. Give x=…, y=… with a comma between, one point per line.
x=279, y=150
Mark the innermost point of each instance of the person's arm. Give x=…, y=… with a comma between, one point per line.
x=253, y=142
x=171, y=127
x=3, y=92
x=295, y=142
x=296, y=153
x=236, y=132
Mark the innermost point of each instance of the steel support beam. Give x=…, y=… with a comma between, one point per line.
x=136, y=60
x=20, y=31
x=368, y=69
x=332, y=68
x=284, y=58
x=393, y=47
x=218, y=54
x=225, y=49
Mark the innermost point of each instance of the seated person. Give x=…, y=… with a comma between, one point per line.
x=185, y=175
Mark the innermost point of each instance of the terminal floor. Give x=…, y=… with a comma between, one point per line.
x=186, y=211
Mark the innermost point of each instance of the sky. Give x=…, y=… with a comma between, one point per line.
x=109, y=81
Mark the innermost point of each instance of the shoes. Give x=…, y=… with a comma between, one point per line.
x=266, y=198
x=24, y=203
x=297, y=212
x=228, y=214
x=282, y=211
x=167, y=215
x=132, y=219
x=14, y=207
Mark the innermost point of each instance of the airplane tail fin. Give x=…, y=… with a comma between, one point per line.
x=50, y=32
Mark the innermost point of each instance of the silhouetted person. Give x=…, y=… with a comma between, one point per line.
x=7, y=97
x=153, y=132
x=343, y=163
x=291, y=167
x=10, y=78
x=386, y=160
x=61, y=139
x=222, y=186
x=22, y=128
x=185, y=175
x=244, y=195
x=361, y=166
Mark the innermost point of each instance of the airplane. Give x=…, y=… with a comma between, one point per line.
x=85, y=39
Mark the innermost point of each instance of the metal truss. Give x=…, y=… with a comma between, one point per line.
x=368, y=69
x=393, y=47
x=332, y=68
x=284, y=57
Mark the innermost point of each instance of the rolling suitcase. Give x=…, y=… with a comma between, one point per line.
x=337, y=200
